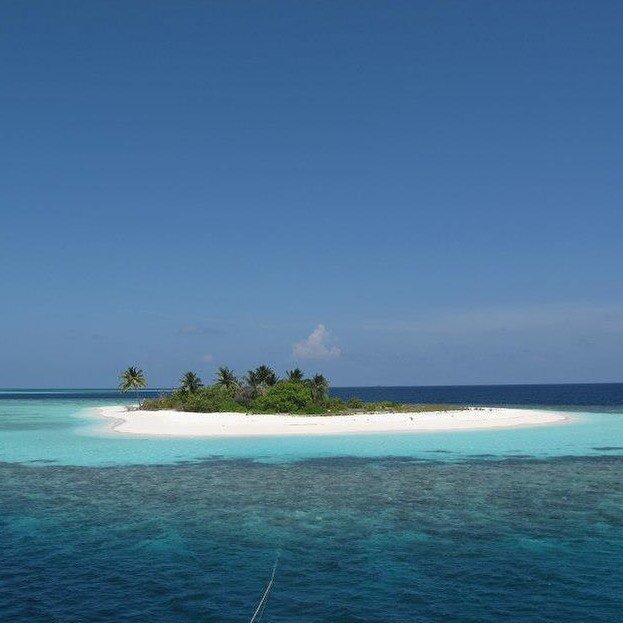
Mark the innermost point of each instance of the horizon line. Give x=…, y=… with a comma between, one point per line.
x=156, y=388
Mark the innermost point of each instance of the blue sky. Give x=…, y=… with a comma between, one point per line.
x=392, y=193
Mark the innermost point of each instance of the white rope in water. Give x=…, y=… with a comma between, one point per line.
x=260, y=607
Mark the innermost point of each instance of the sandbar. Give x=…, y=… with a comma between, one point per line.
x=185, y=424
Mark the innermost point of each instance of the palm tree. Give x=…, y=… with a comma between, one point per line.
x=132, y=378
x=295, y=375
x=267, y=376
x=190, y=383
x=261, y=378
x=319, y=387
x=226, y=378
x=252, y=379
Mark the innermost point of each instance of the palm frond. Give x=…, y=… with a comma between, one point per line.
x=132, y=378
x=190, y=382
x=295, y=375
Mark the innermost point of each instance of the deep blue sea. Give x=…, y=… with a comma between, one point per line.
x=520, y=525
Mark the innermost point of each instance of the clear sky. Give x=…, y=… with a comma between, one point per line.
x=424, y=192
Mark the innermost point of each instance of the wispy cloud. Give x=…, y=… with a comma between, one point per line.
x=317, y=345
x=207, y=358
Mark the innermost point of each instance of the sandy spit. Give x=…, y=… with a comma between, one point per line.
x=181, y=424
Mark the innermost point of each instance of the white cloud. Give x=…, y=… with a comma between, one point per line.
x=318, y=345
x=207, y=358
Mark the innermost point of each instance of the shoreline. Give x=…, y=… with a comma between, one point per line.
x=210, y=425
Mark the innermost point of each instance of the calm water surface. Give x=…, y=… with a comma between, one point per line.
x=523, y=525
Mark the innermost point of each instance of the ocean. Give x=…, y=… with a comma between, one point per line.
x=518, y=525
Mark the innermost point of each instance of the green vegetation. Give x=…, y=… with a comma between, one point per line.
x=190, y=383
x=288, y=397
x=226, y=378
x=295, y=375
x=261, y=378
x=319, y=387
x=262, y=391
x=132, y=378
x=209, y=399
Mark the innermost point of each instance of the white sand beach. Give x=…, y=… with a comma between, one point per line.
x=183, y=424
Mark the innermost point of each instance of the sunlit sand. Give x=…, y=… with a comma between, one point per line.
x=183, y=424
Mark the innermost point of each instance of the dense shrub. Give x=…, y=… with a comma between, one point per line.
x=205, y=400
x=286, y=397
x=245, y=395
x=296, y=396
x=162, y=402
x=212, y=399
x=334, y=405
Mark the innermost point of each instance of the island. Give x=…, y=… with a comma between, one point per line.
x=262, y=404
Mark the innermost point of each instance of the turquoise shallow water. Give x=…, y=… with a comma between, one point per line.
x=519, y=525
x=68, y=432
